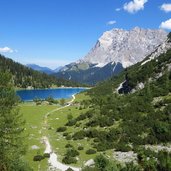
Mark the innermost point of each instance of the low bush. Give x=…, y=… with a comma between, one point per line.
x=72, y=152
x=69, y=160
x=46, y=155
x=69, y=169
x=68, y=137
x=61, y=129
x=80, y=148
x=69, y=117
x=79, y=135
x=122, y=147
x=71, y=122
x=91, y=151
x=68, y=146
x=38, y=158
x=81, y=117
x=65, y=134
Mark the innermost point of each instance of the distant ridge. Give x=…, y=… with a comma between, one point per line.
x=25, y=77
x=43, y=69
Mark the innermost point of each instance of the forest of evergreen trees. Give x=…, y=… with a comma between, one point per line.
x=24, y=77
x=130, y=121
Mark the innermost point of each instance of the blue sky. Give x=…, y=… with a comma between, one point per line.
x=56, y=32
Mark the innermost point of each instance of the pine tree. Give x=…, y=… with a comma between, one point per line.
x=11, y=128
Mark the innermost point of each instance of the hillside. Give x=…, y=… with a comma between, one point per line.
x=24, y=77
x=43, y=69
x=40, y=69
x=115, y=50
x=132, y=127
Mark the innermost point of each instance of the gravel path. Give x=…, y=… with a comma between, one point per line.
x=54, y=163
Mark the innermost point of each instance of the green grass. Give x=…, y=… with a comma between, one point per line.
x=34, y=116
x=57, y=140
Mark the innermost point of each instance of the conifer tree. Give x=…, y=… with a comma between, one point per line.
x=11, y=128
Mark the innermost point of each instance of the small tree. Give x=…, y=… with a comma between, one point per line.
x=62, y=102
x=50, y=100
x=101, y=162
x=37, y=101
x=69, y=116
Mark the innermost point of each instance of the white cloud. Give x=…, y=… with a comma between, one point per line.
x=166, y=7
x=111, y=22
x=118, y=9
x=166, y=24
x=6, y=50
x=134, y=6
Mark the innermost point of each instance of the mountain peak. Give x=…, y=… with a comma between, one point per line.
x=115, y=50
x=125, y=46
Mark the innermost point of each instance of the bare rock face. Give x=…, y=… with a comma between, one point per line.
x=125, y=47
x=115, y=50
x=162, y=48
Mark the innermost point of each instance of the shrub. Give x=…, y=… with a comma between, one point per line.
x=80, y=148
x=88, y=168
x=101, y=146
x=68, y=137
x=79, y=135
x=65, y=134
x=61, y=129
x=69, y=160
x=72, y=152
x=122, y=147
x=69, y=169
x=92, y=133
x=69, y=117
x=78, y=124
x=46, y=155
x=164, y=159
x=38, y=158
x=68, y=146
x=101, y=162
x=50, y=100
x=71, y=122
x=37, y=101
x=62, y=101
x=81, y=117
x=91, y=151
x=96, y=140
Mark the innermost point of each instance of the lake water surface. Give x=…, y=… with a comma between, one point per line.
x=29, y=95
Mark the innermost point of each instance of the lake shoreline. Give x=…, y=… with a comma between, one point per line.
x=52, y=88
x=56, y=93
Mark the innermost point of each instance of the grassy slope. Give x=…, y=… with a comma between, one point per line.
x=58, y=141
x=34, y=120
x=34, y=116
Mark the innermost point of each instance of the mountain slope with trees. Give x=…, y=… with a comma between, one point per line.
x=24, y=77
x=137, y=120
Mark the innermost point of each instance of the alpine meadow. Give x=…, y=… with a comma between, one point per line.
x=85, y=85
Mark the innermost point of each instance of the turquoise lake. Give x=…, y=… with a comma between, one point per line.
x=29, y=95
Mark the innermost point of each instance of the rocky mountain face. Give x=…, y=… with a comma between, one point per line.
x=115, y=50
x=152, y=68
